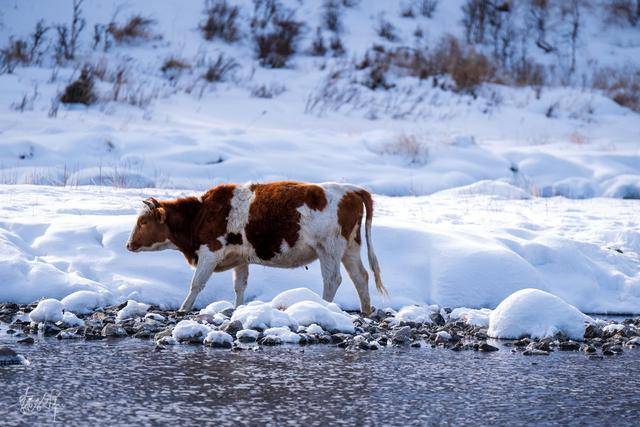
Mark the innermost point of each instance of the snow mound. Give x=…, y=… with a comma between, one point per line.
x=284, y=333
x=84, y=302
x=219, y=338
x=190, y=330
x=315, y=329
x=492, y=188
x=216, y=307
x=48, y=310
x=471, y=316
x=131, y=310
x=71, y=320
x=538, y=314
x=308, y=312
x=261, y=315
x=286, y=299
x=416, y=313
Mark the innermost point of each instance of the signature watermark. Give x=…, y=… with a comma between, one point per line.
x=46, y=402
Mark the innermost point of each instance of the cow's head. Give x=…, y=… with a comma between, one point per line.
x=150, y=232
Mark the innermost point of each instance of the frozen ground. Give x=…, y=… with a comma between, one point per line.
x=468, y=247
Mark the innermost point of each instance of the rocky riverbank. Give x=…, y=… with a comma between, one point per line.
x=379, y=330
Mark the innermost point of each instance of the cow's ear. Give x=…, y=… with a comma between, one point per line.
x=151, y=203
x=162, y=215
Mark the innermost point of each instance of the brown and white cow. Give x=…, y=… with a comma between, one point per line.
x=279, y=224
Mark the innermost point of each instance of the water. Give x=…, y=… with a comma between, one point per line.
x=124, y=382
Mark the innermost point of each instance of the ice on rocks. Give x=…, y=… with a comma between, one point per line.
x=247, y=335
x=48, y=310
x=155, y=316
x=315, y=329
x=216, y=307
x=471, y=316
x=71, y=320
x=131, y=310
x=190, y=330
x=538, y=314
x=308, y=312
x=261, y=315
x=83, y=302
x=416, y=313
x=218, y=339
x=284, y=333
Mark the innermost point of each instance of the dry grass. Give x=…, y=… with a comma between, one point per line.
x=621, y=85
x=220, y=69
x=410, y=147
x=276, y=33
x=81, y=90
x=137, y=28
x=14, y=53
x=221, y=22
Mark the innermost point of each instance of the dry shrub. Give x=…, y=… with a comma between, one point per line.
x=332, y=15
x=625, y=11
x=318, y=48
x=409, y=147
x=137, y=28
x=221, y=21
x=172, y=67
x=267, y=92
x=81, y=90
x=621, y=85
x=577, y=138
x=386, y=30
x=16, y=52
x=219, y=69
x=275, y=33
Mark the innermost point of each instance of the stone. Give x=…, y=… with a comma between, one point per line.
x=27, y=340
x=113, y=330
x=232, y=328
x=401, y=335
x=10, y=357
x=569, y=346
x=535, y=352
x=228, y=312
x=592, y=331
x=270, y=340
x=437, y=319
x=164, y=333
x=484, y=346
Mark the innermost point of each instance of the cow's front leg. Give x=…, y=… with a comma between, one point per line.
x=240, y=276
x=207, y=261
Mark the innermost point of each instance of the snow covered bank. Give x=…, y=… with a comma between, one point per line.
x=536, y=314
x=451, y=251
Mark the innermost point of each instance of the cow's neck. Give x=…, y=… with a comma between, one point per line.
x=183, y=217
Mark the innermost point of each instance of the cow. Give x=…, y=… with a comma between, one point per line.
x=280, y=224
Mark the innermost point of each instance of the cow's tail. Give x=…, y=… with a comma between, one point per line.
x=373, y=260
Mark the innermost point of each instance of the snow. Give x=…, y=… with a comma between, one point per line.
x=315, y=329
x=83, y=302
x=261, y=315
x=247, y=333
x=613, y=328
x=71, y=320
x=471, y=250
x=471, y=316
x=459, y=223
x=155, y=316
x=218, y=337
x=538, y=314
x=216, y=307
x=308, y=312
x=190, y=330
x=131, y=310
x=416, y=313
x=284, y=334
x=48, y=310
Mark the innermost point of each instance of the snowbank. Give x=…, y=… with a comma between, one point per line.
x=190, y=330
x=309, y=312
x=131, y=310
x=216, y=307
x=48, y=310
x=218, y=338
x=261, y=315
x=282, y=333
x=538, y=314
x=416, y=313
x=466, y=251
x=475, y=317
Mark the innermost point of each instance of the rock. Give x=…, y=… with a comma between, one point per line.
x=377, y=314
x=484, y=346
x=232, y=328
x=481, y=334
x=402, y=335
x=247, y=335
x=68, y=334
x=49, y=329
x=10, y=357
x=589, y=349
x=228, y=311
x=535, y=352
x=523, y=342
x=27, y=340
x=113, y=330
x=437, y=319
x=592, y=331
x=457, y=347
x=442, y=337
x=164, y=333
x=270, y=340
x=339, y=337
x=569, y=346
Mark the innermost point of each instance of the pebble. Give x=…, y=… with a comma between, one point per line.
x=10, y=357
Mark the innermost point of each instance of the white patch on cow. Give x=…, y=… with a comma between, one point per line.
x=239, y=213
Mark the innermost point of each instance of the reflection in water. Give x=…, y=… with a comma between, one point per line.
x=125, y=381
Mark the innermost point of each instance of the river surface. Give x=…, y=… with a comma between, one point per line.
x=126, y=382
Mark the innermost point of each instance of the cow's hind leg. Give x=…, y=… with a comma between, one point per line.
x=240, y=277
x=358, y=274
x=330, y=268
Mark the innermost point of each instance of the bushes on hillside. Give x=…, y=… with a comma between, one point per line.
x=276, y=33
x=81, y=90
x=221, y=21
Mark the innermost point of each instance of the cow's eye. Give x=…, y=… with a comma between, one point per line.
x=143, y=222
